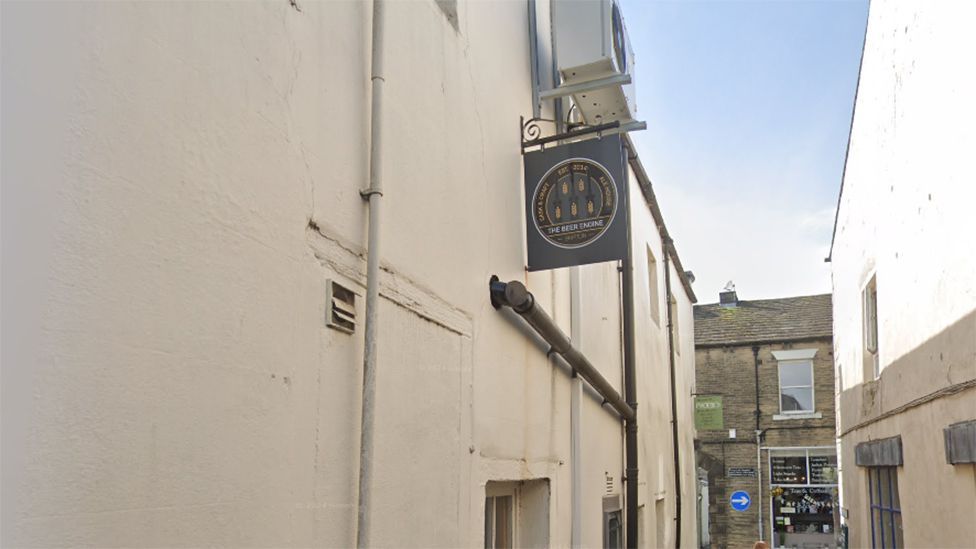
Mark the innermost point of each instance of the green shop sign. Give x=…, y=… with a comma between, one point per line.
x=708, y=413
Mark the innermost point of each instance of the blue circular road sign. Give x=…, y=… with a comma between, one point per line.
x=740, y=500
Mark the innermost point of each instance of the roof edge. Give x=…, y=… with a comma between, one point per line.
x=770, y=299
x=651, y=199
x=767, y=341
x=850, y=132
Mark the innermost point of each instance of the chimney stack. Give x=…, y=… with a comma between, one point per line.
x=728, y=298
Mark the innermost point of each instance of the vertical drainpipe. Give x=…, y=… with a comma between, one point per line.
x=675, y=442
x=534, y=57
x=576, y=388
x=630, y=390
x=759, y=500
x=373, y=195
x=576, y=395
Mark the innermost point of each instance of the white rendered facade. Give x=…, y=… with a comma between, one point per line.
x=904, y=270
x=181, y=180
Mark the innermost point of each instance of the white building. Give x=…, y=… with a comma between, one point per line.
x=181, y=187
x=904, y=283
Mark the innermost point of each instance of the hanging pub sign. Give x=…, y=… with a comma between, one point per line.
x=576, y=204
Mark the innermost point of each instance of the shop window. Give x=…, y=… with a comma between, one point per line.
x=796, y=386
x=886, y=526
x=803, y=490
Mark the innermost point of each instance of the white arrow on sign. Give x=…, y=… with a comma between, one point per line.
x=740, y=500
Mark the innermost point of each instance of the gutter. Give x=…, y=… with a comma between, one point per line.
x=721, y=344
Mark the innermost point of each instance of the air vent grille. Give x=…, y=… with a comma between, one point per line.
x=341, y=308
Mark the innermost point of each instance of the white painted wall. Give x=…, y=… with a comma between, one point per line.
x=179, y=182
x=905, y=216
x=905, y=211
x=653, y=381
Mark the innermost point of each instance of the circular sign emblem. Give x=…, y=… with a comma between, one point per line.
x=574, y=203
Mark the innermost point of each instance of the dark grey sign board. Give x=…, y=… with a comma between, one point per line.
x=788, y=470
x=576, y=204
x=741, y=472
x=823, y=469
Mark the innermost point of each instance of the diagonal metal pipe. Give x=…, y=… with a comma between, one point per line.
x=515, y=295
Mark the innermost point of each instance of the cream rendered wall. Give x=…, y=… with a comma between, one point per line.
x=653, y=381
x=906, y=207
x=181, y=179
x=656, y=480
x=685, y=376
x=164, y=379
x=905, y=216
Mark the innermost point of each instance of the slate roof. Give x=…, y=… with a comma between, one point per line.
x=782, y=319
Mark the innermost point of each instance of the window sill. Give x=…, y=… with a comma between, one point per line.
x=803, y=415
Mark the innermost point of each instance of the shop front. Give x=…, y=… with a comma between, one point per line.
x=804, y=512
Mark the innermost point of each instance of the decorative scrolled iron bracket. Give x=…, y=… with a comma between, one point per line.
x=531, y=131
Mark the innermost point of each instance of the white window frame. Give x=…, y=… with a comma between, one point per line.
x=653, y=288
x=673, y=305
x=501, y=489
x=796, y=356
x=869, y=313
x=611, y=506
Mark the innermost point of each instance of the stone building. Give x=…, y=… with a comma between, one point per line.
x=765, y=417
x=903, y=264
x=185, y=245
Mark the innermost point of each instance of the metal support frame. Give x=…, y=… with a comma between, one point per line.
x=587, y=86
x=531, y=132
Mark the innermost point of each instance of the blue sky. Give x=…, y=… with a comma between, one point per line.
x=748, y=107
